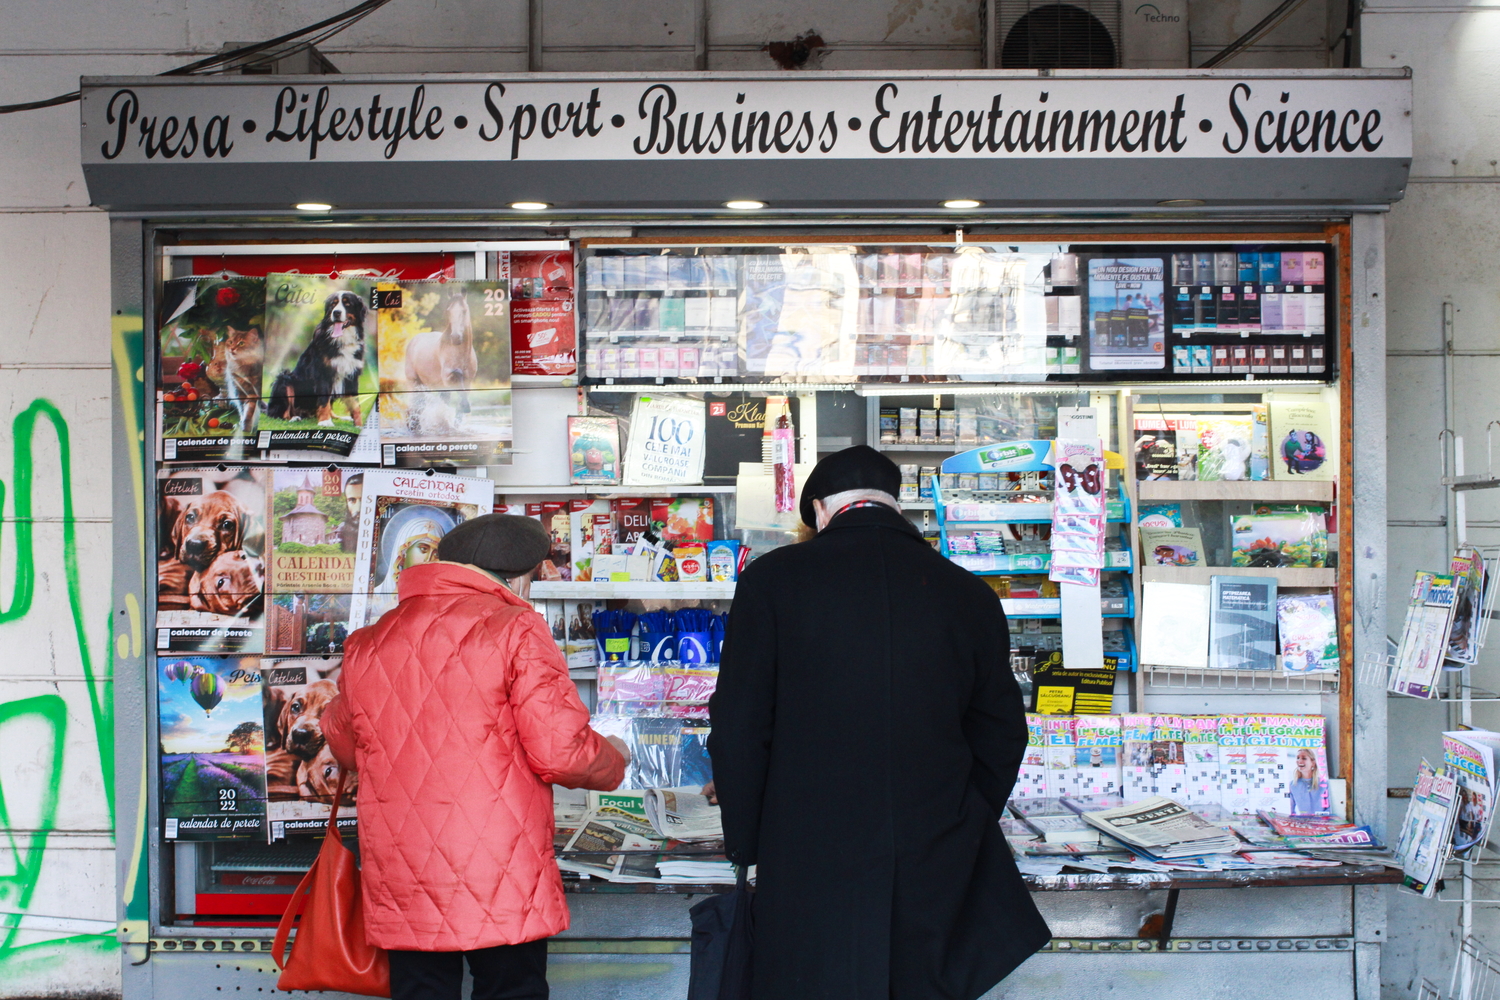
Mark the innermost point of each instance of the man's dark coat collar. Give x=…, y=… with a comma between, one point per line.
x=879, y=516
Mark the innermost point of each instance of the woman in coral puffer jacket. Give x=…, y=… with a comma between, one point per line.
x=457, y=711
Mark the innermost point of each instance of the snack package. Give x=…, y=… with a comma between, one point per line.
x=692, y=562
x=723, y=560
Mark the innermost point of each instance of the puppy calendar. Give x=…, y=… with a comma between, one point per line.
x=301, y=772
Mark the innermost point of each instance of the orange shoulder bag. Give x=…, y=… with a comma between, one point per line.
x=330, y=952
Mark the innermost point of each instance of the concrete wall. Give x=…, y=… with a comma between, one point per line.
x=56, y=721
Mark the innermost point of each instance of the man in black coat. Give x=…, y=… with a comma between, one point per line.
x=867, y=731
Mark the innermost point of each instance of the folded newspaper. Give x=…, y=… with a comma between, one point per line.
x=1161, y=829
x=683, y=814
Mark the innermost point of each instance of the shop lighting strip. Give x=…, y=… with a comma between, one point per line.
x=1035, y=216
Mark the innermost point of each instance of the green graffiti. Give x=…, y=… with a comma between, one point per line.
x=28, y=850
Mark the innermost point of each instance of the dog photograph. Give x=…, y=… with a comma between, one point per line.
x=211, y=349
x=210, y=559
x=319, y=379
x=301, y=773
x=445, y=371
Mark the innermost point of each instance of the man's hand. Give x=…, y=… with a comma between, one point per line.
x=619, y=745
x=710, y=793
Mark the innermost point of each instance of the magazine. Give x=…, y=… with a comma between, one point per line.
x=211, y=347
x=445, y=358
x=1138, y=772
x=1201, y=750
x=402, y=518
x=1288, y=764
x=301, y=772
x=318, y=381
x=1161, y=828
x=1426, y=833
x=210, y=564
x=1031, y=782
x=1061, y=754
x=1235, y=784
x=1468, y=571
x=1424, y=637
x=1167, y=735
x=1098, y=755
x=1469, y=756
x=213, y=775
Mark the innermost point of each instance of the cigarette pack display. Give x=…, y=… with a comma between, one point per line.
x=210, y=565
x=1098, y=754
x=212, y=755
x=301, y=773
x=1242, y=627
x=1200, y=748
x=1138, y=773
x=1031, y=782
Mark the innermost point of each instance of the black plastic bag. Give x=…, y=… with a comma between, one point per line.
x=723, y=942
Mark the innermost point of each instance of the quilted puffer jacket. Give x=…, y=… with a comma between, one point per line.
x=457, y=711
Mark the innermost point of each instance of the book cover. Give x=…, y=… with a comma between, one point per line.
x=211, y=752
x=582, y=538
x=594, y=450
x=210, y=560
x=1307, y=630
x=1200, y=747
x=1225, y=448
x=1172, y=546
x=211, y=349
x=543, y=323
x=1304, y=438
x=1166, y=447
x=1175, y=625
x=403, y=517
x=445, y=396
x=1242, y=626
x=1097, y=757
x=301, y=772
x=319, y=380
x=1279, y=538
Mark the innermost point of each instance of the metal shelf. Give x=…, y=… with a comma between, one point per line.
x=1237, y=681
x=610, y=492
x=1286, y=576
x=1267, y=490
x=626, y=591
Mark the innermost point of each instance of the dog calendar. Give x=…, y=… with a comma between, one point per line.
x=211, y=346
x=210, y=559
x=301, y=772
x=403, y=516
x=320, y=375
x=212, y=760
x=444, y=373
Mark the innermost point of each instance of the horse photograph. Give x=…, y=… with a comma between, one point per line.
x=445, y=370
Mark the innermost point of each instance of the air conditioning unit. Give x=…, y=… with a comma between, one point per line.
x=1043, y=34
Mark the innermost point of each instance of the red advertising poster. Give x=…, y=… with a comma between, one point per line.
x=543, y=330
x=397, y=266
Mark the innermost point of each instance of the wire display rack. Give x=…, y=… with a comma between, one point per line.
x=1239, y=681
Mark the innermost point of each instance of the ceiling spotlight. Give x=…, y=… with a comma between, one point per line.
x=1181, y=203
x=312, y=206
x=529, y=206
x=745, y=205
x=962, y=203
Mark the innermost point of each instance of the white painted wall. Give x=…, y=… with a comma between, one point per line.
x=55, y=888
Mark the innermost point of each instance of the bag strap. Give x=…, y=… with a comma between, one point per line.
x=298, y=902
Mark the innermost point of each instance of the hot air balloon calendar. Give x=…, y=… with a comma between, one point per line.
x=212, y=747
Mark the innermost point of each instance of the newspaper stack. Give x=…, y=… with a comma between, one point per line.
x=696, y=872
x=1160, y=829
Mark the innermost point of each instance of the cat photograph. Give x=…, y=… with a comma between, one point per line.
x=212, y=347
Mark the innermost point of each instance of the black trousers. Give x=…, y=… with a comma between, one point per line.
x=504, y=972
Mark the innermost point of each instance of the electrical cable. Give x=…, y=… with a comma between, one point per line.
x=334, y=24
x=1270, y=21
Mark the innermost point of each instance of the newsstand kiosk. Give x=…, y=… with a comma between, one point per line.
x=955, y=268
